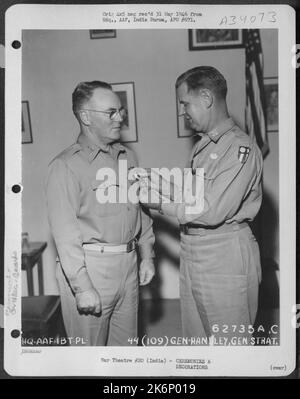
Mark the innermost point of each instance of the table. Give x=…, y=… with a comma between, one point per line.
x=30, y=258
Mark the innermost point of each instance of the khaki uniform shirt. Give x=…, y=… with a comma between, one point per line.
x=77, y=218
x=232, y=165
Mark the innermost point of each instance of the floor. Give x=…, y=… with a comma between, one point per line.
x=160, y=318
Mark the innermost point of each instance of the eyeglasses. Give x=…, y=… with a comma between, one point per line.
x=112, y=114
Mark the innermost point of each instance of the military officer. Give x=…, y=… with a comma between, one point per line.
x=219, y=263
x=96, y=242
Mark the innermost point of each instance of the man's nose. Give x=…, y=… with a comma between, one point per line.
x=119, y=117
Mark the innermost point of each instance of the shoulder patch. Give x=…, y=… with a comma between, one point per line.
x=243, y=153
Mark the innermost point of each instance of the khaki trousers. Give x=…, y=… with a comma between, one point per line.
x=219, y=280
x=115, y=278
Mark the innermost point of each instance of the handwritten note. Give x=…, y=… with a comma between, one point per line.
x=12, y=277
x=259, y=18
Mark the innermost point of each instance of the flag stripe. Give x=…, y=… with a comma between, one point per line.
x=255, y=96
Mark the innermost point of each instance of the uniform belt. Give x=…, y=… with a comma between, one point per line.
x=206, y=230
x=117, y=249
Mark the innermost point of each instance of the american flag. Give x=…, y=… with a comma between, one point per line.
x=255, y=100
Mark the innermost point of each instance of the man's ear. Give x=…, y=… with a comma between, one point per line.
x=84, y=117
x=207, y=97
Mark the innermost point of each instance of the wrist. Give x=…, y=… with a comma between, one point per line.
x=147, y=261
x=82, y=282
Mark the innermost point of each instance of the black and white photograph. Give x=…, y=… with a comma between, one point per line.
x=150, y=200
x=157, y=148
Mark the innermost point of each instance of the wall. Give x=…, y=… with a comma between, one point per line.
x=55, y=61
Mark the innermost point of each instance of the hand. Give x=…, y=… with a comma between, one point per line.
x=165, y=187
x=146, y=195
x=147, y=271
x=155, y=189
x=89, y=302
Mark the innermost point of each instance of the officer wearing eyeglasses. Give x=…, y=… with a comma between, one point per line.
x=96, y=242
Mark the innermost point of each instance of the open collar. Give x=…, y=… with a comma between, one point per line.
x=92, y=149
x=221, y=129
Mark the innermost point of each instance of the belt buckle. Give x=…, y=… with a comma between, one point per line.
x=185, y=229
x=131, y=245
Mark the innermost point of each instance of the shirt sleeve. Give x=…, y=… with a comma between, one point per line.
x=224, y=192
x=63, y=195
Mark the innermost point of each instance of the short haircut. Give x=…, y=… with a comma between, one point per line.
x=84, y=91
x=204, y=77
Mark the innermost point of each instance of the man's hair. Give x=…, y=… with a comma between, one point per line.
x=84, y=91
x=204, y=77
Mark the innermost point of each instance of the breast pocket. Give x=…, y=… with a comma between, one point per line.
x=105, y=199
x=210, y=169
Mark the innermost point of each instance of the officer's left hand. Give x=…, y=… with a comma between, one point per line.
x=147, y=271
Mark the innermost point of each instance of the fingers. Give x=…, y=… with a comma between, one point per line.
x=89, y=302
x=146, y=276
x=85, y=310
x=145, y=281
x=94, y=310
x=142, y=275
x=98, y=308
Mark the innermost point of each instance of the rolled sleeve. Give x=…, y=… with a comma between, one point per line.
x=63, y=195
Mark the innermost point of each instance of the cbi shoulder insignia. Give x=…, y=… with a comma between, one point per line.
x=243, y=154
